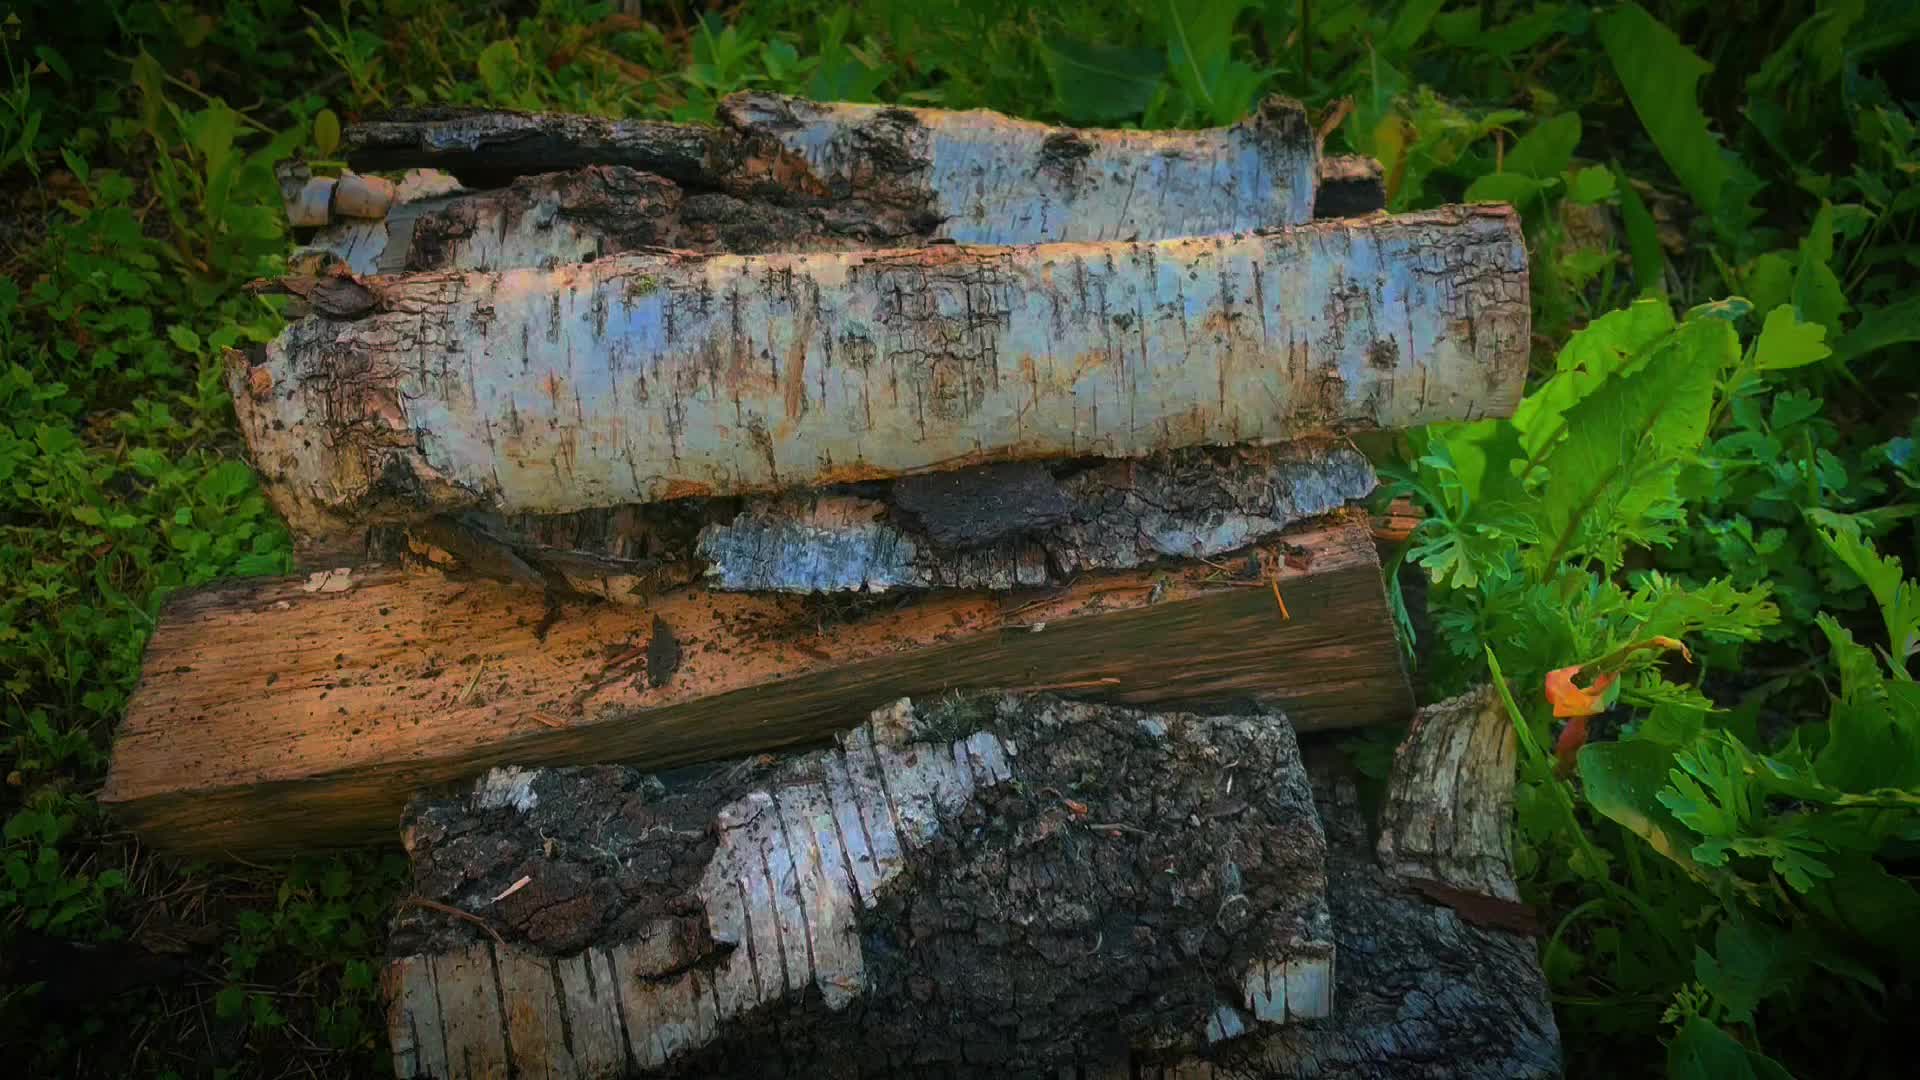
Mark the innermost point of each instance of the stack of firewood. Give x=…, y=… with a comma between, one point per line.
x=989, y=481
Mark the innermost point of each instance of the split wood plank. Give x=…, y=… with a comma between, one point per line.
x=641, y=378
x=284, y=715
x=872, y=171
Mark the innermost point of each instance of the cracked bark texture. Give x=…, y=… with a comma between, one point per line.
x=589, y=213
x=647, y=377
x=1028, y=529
x=857, y=174
x=974, y=887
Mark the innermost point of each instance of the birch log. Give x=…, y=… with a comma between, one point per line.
x=285, y=715
x=641, y=378
x=973, y=887
x=973, y=177
x=589, y=213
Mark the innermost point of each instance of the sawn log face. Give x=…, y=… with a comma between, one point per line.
x=641, y=378
x=287, y=715
x=970, y=887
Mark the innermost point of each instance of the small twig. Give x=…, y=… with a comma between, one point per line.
x=525, y=879
x=1117, y=827
x=543, y=718
x=449, y=909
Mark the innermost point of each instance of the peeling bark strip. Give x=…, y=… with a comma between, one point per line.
x=1119, y=515
x=642, y=378
x=1010, y=883
x=275, y=716
x=974, y=177
x=989, y=527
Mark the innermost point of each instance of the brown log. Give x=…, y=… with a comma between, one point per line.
x=641, y=378
x=914, y=175
x=284, y=715
x=1006, y=885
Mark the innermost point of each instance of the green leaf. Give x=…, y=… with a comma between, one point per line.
x=1546, y=151
x=1768, y=281
x=1101, y=82
x=326, y=132
x=1612, y=477
x=1885, y=578
x=1880, y=328
x=496, y=65
x=186, y=339
x=1591, y=185
x=1661, y=77
x=1786, y=342
x=1749, y=964
x=1623, y=781
x=1643, y=238
x=1516, y=189
x=1701, y=1050
x=1817, y=292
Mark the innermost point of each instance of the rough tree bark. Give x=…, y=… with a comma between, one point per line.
x=584, y=214
x=276, y=716
x=1018, y=525
x=867, y=171
x=977, y=887
x=1087, y=894
x=641, y=378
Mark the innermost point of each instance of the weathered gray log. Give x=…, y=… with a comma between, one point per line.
x=989, y=527
x=997, y=886
x=1019, y=527
x=973, y=177
x=1464, y=745
x=548, y=219
x=640, y=378
x=1082, y=899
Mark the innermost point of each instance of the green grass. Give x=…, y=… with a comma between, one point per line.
x=1688, y=151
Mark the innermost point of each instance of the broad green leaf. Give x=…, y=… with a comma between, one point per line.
x=1873, y=905
x=1673, y=726
x=1546, y=151
x=1514, y=188
x=1410, y=25
x=1590, y=185
x=1102, y=82
x=1786, y=342
x=1880, y=328
x=326, y=132
x=1623, y=781
x=1768, y=281
x=1606, y=346
x=1750, y=962
x=1817, y=292
x=1611, y=478
x=496, y=65
x=1643, y=238
x=1701, y=1050
x=1661, y=77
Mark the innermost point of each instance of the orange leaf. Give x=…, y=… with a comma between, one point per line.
x=1571, y=700
x=1572, y=738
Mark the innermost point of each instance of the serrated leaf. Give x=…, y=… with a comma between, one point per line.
x=1661, y=76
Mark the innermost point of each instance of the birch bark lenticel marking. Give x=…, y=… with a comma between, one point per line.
x=648, y=377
